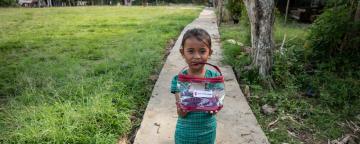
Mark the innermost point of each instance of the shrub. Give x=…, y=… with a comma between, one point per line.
x=235, y=7
x=335, y=37
x=333, y=52
x=5, y=3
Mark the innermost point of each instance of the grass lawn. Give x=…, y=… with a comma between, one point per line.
x=80, y=74
x=298, y=119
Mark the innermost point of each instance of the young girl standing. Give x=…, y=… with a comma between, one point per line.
x=195, y=127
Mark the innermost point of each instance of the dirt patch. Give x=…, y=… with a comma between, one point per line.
x=170, y=44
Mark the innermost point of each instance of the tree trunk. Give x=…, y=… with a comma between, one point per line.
x=126, y=3
x=287, y=10
x=357, y=13
x=49, y=3
x=220, y=11
x=144, y=3
x=261, y=16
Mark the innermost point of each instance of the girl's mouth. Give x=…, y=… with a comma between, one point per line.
x=196, y=63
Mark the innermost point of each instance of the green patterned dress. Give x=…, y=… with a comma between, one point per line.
x=195, y=127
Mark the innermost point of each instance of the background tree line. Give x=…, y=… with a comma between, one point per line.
x=13, y=3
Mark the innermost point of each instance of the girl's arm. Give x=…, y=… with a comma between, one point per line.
x=180, y=112
x=177, y=97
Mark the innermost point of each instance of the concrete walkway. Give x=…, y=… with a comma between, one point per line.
x=236, y=124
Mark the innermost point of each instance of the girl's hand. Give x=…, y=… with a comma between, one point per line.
x=181, y=112
x=213, y=112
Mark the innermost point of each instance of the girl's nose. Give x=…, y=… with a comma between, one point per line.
x=197, y=55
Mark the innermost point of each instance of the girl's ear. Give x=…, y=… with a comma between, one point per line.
x=182, y=51
x=210, y=52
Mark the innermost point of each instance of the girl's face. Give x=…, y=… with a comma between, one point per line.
x=195, y=52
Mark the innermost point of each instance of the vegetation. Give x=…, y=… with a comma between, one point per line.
x=316, y=92
x=77, y=75
x=235, y=9
x=332, y=53
x=4, y=3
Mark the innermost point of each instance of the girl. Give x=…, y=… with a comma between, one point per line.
x=195, y=127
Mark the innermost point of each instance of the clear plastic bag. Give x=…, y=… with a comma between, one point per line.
x=201, y=94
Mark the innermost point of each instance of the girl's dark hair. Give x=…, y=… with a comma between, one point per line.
x=198, y=33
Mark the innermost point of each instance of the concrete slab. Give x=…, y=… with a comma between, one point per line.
x=236, y=124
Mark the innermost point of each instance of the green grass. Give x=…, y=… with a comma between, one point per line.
x=80, y=74
x=301, y=119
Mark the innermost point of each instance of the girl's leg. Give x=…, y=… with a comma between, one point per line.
x=184, y=133
x=208, y=136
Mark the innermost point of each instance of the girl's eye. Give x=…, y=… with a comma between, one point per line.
x=202, y=50
x=190, y=51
